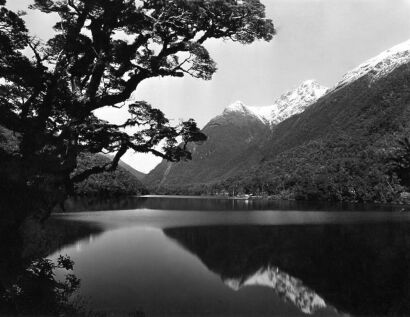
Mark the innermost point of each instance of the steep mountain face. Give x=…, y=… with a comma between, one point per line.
x=230, y=136
x=291, y=103
x=380, y=65
x=287, y=105
x=339, y=148
x=332, y=147
x=235, y=142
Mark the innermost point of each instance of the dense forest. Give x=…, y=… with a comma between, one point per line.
x=348, y=146
x=121, y=181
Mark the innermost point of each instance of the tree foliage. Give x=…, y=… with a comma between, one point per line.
x=401, y=161
x=37, y=291
x=101, y=51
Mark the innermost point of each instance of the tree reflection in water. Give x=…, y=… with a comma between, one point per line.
x=28, y=283
x=358, y=268
x=35, y=290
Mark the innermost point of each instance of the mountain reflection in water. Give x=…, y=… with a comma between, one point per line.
x=359, y=269
x=284, y=285
x=183, y=260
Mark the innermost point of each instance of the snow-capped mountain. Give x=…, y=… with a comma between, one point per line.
x=380, y=65
x=284, y=285
x=240, y=132
x=287, y=105
x=370, y=101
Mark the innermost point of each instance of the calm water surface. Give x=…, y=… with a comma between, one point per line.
x=219, y=257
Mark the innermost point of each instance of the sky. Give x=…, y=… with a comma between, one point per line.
x=316, y=39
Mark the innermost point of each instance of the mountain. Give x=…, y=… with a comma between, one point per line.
x=138, y=175
x=339, y=147
x=235, y=142
x=122, y=181
x=380, y=65
x=230, y=136
x=291, y=103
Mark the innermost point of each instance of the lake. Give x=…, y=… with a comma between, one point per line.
x=173, y=256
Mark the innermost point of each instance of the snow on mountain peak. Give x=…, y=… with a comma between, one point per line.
x=291, y=102
x=237, y=106
x=287, y=105
x=380, y=65
x=297, y=100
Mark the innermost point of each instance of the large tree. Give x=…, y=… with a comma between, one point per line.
x=100, y=52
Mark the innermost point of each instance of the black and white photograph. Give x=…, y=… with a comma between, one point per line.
x=205, y=158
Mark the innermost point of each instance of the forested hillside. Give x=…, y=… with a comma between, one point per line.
x=230, y=137
x=341, y=148
x=236, y=142
x=120, y=181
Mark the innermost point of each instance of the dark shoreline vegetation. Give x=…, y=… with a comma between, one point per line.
x=350, y=146
x=28, y=282
x=51, y=89
x=50, y=138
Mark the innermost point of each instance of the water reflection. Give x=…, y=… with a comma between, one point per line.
x=153, y=255
x=28, y=283
x=211, y=204
x=359, y=269
x=285, y=286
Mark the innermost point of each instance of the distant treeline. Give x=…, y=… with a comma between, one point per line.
x=339, y=169
x=314, y=172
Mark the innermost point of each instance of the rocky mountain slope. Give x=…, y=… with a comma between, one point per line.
x=291, y=103
x=235, y=142
x=379, y=66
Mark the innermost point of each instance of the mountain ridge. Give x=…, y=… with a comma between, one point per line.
x=239, y=131
x=288, y=104
x=337, y=148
